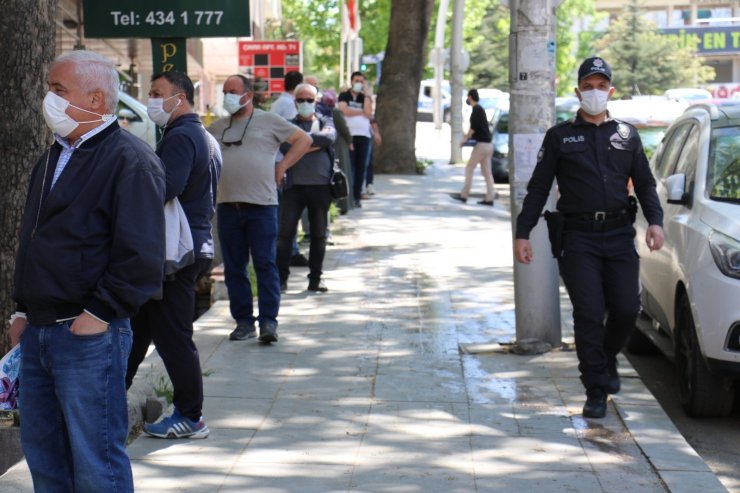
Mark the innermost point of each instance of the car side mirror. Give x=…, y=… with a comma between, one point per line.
x=676, y=188
x=126, y=113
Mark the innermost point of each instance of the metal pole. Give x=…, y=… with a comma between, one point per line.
x=342, y=45
x=456, y=73
x=438, y=63
x=532, y=82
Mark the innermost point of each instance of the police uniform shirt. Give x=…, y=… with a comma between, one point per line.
x=592, y=165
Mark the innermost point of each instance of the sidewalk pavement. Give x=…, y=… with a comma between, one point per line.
x=371, y=389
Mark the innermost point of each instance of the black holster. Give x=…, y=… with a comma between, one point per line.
x=632, y=207
x=555, y=227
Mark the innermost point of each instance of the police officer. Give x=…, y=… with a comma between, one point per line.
x=593, y=158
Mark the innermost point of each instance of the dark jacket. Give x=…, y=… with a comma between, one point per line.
x=97, y=242
x=593, y=165
x=192, y=176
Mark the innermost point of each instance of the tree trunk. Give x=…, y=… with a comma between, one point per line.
x=27, y=35
x=403, y=67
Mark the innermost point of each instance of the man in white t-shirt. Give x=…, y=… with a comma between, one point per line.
x=284, y=105
x=247, y=204
x=358, y=110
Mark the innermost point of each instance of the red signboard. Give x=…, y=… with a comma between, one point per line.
x=268, y=62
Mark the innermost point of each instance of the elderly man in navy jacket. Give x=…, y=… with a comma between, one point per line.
x=91, y=253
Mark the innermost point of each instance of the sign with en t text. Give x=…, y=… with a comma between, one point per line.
x=268, y=62
x=166, y=18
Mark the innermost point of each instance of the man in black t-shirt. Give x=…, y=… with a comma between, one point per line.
x=482, y=152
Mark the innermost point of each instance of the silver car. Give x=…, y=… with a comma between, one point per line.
x=691, y=287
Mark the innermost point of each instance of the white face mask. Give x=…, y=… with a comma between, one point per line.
x=357, y=87
x=594, y=101
x=56, y=117
x=306, y=109
x=155, y=110
x=231, y=102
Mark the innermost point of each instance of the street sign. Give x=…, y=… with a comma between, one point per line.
x=166, y=18
x=269, y=61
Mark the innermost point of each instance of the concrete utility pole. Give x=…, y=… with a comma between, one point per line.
x=456, y=73
x=532, y=82
x=438, y=57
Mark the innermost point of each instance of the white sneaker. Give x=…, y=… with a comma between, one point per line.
x=370, y=189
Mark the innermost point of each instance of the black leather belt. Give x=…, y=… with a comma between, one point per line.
x=243, y=205
x=598, y=221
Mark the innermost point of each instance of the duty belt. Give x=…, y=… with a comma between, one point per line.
x=597, y=221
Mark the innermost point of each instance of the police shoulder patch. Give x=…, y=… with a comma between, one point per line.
x=541, y=154
x=623, y=130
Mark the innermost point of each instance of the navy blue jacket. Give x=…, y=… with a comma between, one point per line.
x=192, y=176
x=94, y=241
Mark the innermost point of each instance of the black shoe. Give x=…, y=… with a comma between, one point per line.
x=242, y=332
x=283, y=287
x=298, y=260
x=486, y=202
x=595, y=406
x=459, y=197
x=317, y=286
x=268, y=333
x=613, y=385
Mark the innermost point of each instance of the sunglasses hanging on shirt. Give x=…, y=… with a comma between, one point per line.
x=236, y=142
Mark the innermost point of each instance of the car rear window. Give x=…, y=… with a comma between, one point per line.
x=723, y=175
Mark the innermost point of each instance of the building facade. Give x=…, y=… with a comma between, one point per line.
x=710, y=27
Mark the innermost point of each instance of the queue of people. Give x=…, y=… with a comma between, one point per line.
x=91, y=299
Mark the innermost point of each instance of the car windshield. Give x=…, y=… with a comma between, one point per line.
x=723, y=175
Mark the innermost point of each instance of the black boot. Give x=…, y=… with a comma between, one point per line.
x=595, y=406
x=613, y=385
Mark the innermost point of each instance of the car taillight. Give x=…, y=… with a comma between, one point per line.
x=726, y=253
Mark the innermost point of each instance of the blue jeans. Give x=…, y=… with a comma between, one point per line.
x=243, y=230
x=73, y=406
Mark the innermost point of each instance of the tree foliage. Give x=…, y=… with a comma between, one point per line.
x=572, y=46
x=318, y=26
x=644, y=61
x=487, y=40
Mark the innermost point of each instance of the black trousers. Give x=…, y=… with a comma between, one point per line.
x=601, y=273
x=315, y=198
x=359, y=157
x=169, y=324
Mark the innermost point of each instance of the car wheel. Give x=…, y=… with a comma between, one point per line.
x=638, y=342
x=703, y=395
x=446, y=117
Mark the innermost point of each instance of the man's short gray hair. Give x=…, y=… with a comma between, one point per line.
x=94, y=72
x=306, y=87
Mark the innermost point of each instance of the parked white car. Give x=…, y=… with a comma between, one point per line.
x=132, y=116
x=691, y=287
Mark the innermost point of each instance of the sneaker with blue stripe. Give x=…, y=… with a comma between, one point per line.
x=178, y=426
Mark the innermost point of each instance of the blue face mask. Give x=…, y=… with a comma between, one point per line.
x=231, y=102
x=306, y=109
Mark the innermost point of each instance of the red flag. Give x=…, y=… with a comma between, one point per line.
x=353, y=15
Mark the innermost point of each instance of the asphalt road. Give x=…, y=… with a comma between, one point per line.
x=717, y=440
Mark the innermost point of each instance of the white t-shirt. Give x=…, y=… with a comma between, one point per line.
x=248, y=172
x=284, y=106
